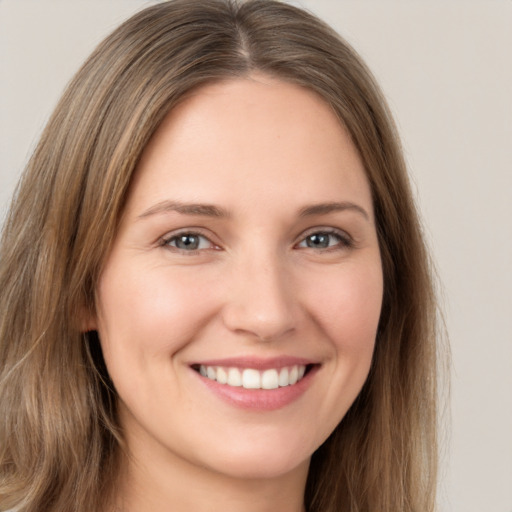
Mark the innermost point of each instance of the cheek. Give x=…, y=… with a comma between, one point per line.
x=148, y=312
x=347, y=304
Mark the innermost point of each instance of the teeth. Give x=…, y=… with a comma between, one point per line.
x=222, y=375
x=250, y=378
x=270, y=379
x=234, y=377
x=283, y=377
x=294, y=375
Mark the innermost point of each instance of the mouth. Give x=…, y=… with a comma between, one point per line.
x=253, y=378
x=256, y=384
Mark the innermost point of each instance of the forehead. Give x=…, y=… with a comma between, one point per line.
x=250, y=138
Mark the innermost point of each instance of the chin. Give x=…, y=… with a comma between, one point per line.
x=261, y=467
x=262, y=458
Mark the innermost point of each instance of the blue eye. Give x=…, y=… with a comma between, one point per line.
x=325, y=240
x=188, y=242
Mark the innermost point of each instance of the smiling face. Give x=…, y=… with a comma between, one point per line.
x=238, y=308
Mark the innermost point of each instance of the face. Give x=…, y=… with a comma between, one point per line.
x=238, y=308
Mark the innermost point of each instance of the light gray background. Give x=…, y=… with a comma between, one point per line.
x=445, y=67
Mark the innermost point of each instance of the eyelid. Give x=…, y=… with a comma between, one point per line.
x=346, y=241
x=165, y=240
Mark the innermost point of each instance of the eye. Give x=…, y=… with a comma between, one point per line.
x=325, y=240
x=188, y=241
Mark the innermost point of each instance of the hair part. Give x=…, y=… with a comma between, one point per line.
x=60, y=441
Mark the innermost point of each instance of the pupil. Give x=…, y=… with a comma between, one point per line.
x=318, y=240
x=187, y=242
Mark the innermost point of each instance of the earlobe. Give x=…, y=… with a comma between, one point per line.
x=87, y=320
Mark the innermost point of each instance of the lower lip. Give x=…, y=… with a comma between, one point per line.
x=260, y=399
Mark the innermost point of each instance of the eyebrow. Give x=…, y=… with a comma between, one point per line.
x=207, y=210
x=325, y=208
x=210, y=210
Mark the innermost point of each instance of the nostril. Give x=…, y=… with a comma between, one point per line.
x=262, y=307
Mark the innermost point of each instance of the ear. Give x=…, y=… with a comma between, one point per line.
x=87, y=319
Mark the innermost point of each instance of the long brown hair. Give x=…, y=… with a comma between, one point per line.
x=59, y=434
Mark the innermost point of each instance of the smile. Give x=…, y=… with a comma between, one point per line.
x=250, y=378
x=257, y=384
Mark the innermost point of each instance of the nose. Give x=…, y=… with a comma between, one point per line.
x=261, y=300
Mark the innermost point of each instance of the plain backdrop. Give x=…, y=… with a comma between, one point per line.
x=446, y=68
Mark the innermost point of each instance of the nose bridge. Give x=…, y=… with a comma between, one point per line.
x=261, y=302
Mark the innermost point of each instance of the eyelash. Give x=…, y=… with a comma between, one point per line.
x=167, y=240
x=344, y=241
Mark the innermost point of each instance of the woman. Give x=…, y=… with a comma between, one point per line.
x=213, y=278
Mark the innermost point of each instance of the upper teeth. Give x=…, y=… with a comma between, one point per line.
x=250, y=378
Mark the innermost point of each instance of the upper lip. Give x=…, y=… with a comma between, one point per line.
x=256, y=363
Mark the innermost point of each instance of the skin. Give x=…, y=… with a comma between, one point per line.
x=260, y=150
